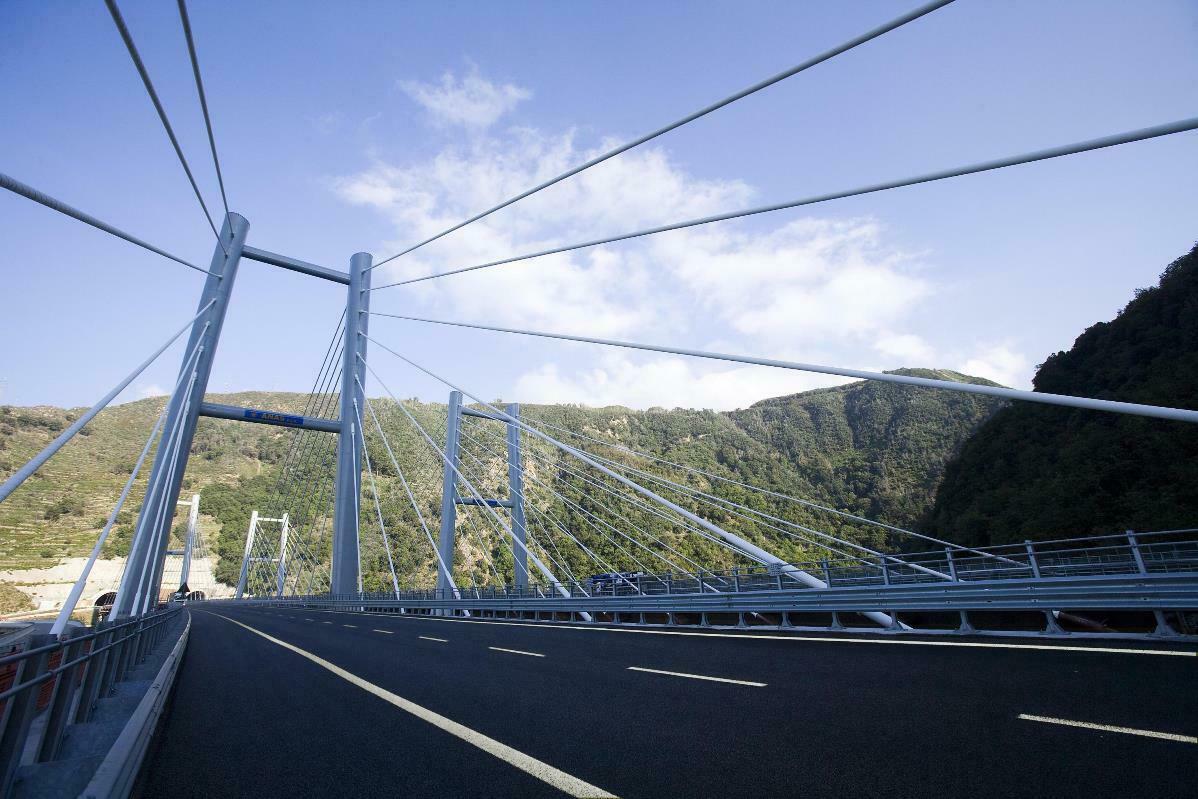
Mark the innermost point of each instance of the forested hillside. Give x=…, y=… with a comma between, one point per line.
x=873, y=449
x=1035, y=470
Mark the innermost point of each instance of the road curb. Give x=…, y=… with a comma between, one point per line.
x=118, y=771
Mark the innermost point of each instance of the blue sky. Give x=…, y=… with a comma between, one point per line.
x=368, y=126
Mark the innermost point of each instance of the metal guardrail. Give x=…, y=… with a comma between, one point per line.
x=1112, y=593
x=63, y=679
x=1111, y=573
x=1114, y=555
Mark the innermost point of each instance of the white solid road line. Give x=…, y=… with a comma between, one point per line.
x=384, y=632
x=528, y=764
x=699, y=677
x=516, y=651
x=430, y=638
x=1168, y=736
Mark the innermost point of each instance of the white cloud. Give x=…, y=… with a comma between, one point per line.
x=826, y=289
x=1001, y=364
x=147, y=390
x=804, y=280
x=907, y=348
x=472, y=101
x=666, y=382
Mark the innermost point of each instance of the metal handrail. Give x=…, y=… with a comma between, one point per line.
x=1031, y=561
x=78, y=683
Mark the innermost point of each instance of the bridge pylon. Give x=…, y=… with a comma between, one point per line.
x=147, y=553
x=450, y=498
x=143, y=571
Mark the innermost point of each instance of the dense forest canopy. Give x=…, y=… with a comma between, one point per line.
x=1036, y=471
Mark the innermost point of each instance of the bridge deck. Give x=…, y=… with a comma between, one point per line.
x=834, y=718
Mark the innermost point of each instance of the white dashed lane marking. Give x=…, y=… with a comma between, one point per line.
x=1088, y=725
x=516, y=651
x=698, y=677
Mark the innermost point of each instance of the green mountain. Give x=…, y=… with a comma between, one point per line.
x=1041, y=471
x=873, y=449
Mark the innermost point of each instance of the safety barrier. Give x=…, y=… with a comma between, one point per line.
x=60, y=681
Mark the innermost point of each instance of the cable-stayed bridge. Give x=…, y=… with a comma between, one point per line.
x=490, y=602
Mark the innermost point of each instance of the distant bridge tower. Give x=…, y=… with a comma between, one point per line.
x=450, y=498
x=249, y=560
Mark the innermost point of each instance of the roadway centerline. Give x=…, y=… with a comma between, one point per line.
x=351, y=626
x=527, y=763
x=384, y=632
x=698, y=676
x=515, y=651
x=430, y=638
x=1089, y=725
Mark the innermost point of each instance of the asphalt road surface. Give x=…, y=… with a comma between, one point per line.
x=273, y=702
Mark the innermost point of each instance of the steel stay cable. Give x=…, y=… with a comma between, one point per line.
x=158, y=531
x=1065, y=400
x=594, y=519
x=607, y=565
x=500, y=533
x=170, y=132
x=314, y=396
x=1128, y=137
x=641, y=505
x=428, y=459
x=584, y=510
x=28, y=192
x=648, y=508
x=673, y=566
x=712, y=500
x=544, y=515
x=752, y=551
x=765, y=491
x=713, y=476
x=309, y=535
x=558, y=561
x=482, y=468
x=308, y=444
x=195, y=68
x=550, y=465
x=306, y=520
x=407, y=488
x=68, y=606
x=374, y=490
x=548, y=555
x=756, y=87
x=552, y=543
x=36, y=462
x=540, y=565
